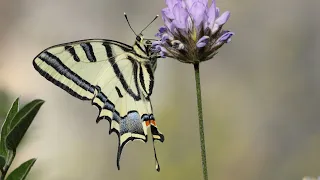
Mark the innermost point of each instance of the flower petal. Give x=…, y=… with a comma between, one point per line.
x=202, y=41
x=155, y=43
x=164, y=37
x=163, y=29
x=205, y=2
x=166, y=19
x=204, y=38
x=197, y=12
x=163, y=49
x=189, y=23
x=189, y=3
x=217, y=12
x=223, y=18
x=171, y=3
x=180, y=15
x=226, y=37
x=158, y=35
x=168, y=13
x=214, y=28
x=163, y=54
x=200, y=45
x=184, y=5
x=212, y=12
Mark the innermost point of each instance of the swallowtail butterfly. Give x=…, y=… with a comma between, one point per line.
x=115, y=77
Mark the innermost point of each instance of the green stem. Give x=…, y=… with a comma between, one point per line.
x=201, y=128
x=11, y=155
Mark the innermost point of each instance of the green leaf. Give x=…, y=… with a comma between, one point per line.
x=2, y=162
x=21, y=122
x=5, y=129
x=22, y=171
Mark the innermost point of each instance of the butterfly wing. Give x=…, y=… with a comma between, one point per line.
x=110, y=75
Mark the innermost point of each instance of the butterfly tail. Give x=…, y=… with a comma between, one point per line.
x=155, y=157
x=156, y=135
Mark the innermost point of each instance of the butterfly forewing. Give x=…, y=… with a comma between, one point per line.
x=113, y=76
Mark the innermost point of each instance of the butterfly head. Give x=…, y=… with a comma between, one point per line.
x=144, y=43
x=140, y=39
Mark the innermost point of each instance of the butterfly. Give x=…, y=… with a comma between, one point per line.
x=117, y=78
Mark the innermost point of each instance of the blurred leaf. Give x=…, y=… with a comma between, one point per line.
x=5, y=129
x=21, y=122
x=2, y=162
x=22, y=171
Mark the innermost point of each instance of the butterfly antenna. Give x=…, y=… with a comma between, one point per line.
x=149, y=23
x=125, y=15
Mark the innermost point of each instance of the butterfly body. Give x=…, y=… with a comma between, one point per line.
x=115, y=77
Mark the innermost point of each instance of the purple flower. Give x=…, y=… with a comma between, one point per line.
x=203, y=41
x=192, y=30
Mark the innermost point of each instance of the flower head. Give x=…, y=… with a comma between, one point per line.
x=192, y=32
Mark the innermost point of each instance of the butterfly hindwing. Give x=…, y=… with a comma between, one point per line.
x=112, y=76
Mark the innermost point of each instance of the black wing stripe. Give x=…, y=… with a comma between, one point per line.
x=147, y=90
x=150, y=72
x=119, y=92
x=71, y=50
x=135, y=74
x=87, y=48
x=141, y=78
x=62, y=69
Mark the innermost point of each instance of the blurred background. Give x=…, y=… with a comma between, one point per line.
x=261, y=93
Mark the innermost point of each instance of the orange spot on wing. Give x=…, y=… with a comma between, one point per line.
x=153, y=122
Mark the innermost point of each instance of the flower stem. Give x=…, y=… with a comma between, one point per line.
x=201, y=127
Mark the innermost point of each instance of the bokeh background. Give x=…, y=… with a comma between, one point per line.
x=261, y=93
